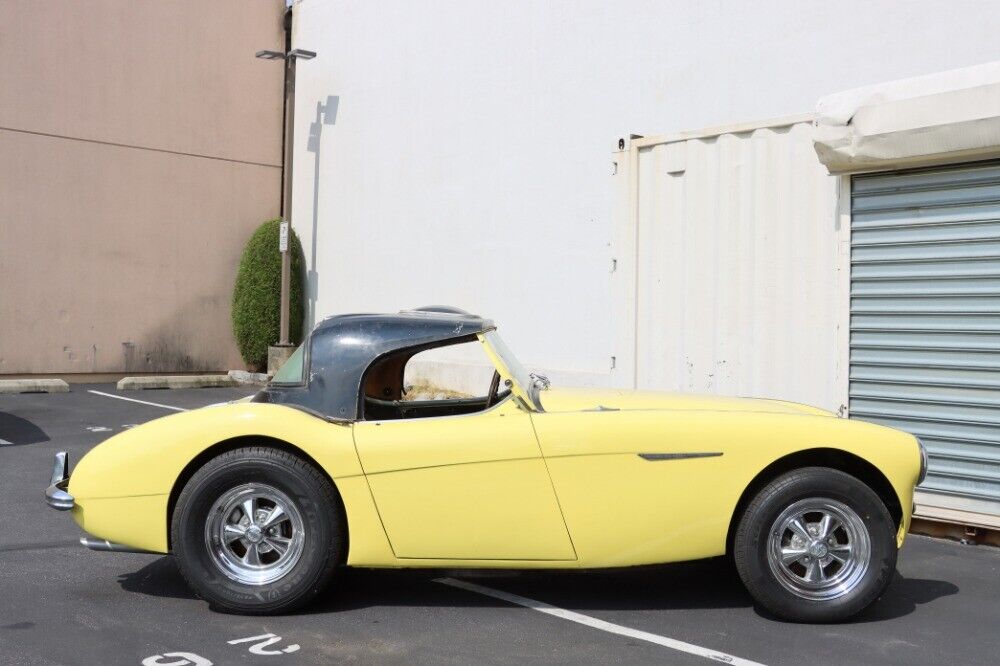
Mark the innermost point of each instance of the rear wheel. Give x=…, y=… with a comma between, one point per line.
x=257, y=531
x=815, y=545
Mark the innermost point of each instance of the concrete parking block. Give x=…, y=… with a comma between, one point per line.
x=175, y=382
x=245, y=377
x=33, y=386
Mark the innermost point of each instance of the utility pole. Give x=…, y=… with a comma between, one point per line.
x=290, y=58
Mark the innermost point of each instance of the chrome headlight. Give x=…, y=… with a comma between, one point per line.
x=923, y=462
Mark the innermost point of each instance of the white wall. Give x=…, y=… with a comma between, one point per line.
x=469, y=160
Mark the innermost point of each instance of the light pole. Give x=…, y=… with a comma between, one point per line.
x=286, y=214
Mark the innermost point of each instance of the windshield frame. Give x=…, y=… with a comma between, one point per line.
x=522, y=384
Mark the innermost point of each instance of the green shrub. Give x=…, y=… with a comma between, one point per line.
x=257, y=295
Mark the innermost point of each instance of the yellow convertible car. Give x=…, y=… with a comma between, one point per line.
x=261, y=501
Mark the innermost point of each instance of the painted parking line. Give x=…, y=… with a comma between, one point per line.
x=141, y=402
x=595, y=623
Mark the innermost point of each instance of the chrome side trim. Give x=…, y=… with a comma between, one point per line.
x=56, y=495
x=110, y=547
x=679, y=456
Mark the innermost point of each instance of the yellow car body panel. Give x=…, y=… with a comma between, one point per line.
x=483, y=511
x=146, y=461
x=469, y=487
x=501, y=433
x=505, y=487
x=582, y=399
x=622, y=509
x=137, y=521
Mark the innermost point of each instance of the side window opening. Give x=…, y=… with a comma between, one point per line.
x=447, y=380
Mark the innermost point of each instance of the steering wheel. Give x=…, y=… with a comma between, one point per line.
x=491, y=397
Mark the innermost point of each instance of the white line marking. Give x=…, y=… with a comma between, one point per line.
x=98, y=429
x=263, y=641
x=4, y=442
x=141, y=402
x=579, y=618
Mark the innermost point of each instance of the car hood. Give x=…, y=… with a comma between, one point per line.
x=575, y=400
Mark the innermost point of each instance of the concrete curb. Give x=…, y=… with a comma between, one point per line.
x=244, y=377
x=33, y=386
x=175, y=382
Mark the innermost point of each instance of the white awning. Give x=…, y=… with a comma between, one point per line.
x=946, y=117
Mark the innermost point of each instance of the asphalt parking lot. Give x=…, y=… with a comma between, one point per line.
x=63, y=604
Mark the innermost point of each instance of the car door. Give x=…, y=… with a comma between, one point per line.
x=468, y=487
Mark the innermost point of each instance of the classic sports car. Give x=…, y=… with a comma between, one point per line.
x=261, y=501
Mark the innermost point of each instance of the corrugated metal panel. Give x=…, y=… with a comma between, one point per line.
x=741, y=267
x=925, y=317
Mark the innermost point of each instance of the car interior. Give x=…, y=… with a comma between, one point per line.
x=386, y=392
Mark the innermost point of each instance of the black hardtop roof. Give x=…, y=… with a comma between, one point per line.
x=435, y=321
x=341, y=348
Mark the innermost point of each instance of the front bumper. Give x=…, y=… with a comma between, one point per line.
x=56, y=495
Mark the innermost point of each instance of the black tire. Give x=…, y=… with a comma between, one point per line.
x=318, y=510
x=758, y=533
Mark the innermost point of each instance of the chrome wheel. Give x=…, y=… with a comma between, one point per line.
x=255, y=534
x=819, y=549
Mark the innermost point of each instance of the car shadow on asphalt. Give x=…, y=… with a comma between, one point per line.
x=17, y=431
x=159, y=578
x=705, y=584
x=903, y=596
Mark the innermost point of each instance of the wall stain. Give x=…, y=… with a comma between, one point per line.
x=173, y=346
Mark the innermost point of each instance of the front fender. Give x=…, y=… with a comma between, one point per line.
x=122, y=486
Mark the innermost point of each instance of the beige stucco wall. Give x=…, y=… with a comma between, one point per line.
x=140, y=145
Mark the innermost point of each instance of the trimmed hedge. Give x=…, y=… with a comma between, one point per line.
x=257, y=295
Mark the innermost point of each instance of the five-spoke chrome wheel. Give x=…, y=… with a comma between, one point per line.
x=255, y=534
x=819, y=549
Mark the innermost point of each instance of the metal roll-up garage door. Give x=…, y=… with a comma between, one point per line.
x=925, y=318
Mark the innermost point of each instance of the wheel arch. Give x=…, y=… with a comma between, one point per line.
x=838, y=459
x=242, y=441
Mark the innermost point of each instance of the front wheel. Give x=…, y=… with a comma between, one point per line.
x=815, y=545
x=257, y=531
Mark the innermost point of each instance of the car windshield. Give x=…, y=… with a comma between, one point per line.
x=291, y=371
x=518, y=374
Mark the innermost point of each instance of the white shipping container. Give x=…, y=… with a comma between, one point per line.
x=732, y=265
